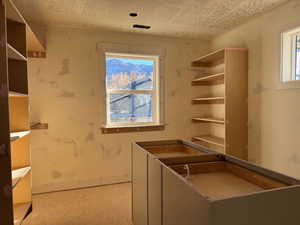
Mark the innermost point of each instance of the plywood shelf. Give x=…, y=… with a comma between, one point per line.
x=20, y=212
x=18, y=174
x=39, y=126
x=209, y=58
x=210, y=100
x=14, y=54
x=211, y=140
x=16, y=135
x=17, y=94
x=209, y=79
x=209, y=120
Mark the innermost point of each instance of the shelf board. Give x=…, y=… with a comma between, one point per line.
x=208, y=99
x=17, y=94
x=39, y=126
x=20, y=212
x=211, y=140
x=210, y=120
x=13, y=13
x=16, y=135
x=18, y=174
x=209, y=79
x=14, y=54
x=209, y=58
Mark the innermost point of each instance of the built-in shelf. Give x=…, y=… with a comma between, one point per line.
x=12, y=13
x=16, y=135
x=38, y=126
x=17, y=94
x=210, y=139
x=210, y=120
x=18, y=174
x=20, y=212
x=14, y=54
x=223, y=73
x=209, y=79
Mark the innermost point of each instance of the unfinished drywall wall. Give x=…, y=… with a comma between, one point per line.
x=274, y=113
x=66, y=91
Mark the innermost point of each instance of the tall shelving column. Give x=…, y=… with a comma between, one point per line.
x=18, y=41
x=222, y=83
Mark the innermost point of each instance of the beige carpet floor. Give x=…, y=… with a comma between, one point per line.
x=106, y=205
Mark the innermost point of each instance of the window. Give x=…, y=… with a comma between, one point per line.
x=132, y=90
x=291, y=56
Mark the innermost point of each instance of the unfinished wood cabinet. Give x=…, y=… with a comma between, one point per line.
x=227, y=191
x=222, y=82
x=15, y=165
x=146, y=175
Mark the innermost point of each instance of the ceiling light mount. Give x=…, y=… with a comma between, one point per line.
x=139, y=26
x=133, y=14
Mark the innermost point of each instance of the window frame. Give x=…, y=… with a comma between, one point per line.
x=288, y=56
x=154, y=92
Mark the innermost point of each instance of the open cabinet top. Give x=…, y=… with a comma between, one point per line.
x=223, y=178
x=173, y=149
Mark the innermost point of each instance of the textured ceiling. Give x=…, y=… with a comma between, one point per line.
x=176, y=18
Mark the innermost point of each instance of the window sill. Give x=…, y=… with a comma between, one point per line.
x=125, y=129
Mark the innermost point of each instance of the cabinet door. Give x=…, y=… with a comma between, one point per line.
x=139, y=186
x=181, y=204
x=154, y=192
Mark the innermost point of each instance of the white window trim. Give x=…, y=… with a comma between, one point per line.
x=137, y=50
x=288, y=59
x=154, y=92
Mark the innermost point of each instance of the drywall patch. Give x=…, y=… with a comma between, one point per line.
x=38, y=76
x=89, y=137
x=72, y=142
x=56, y=174
x=258, y=89
x=53, y=84
x=295, y=159
x=174, y=92
x=65, y=67
x=178, y=73
x=66, y=94
x=111, y=152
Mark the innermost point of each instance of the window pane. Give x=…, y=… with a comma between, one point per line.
x=131, y=108
x=298, y=57
x=129, y=74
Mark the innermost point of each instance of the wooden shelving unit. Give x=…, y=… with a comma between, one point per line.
x=225, y=72
x=18, y=41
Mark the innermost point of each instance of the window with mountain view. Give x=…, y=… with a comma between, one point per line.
x=291, y=55
x=131, y=89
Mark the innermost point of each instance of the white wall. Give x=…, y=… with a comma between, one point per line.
x=66, y=91
x=274, y=113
